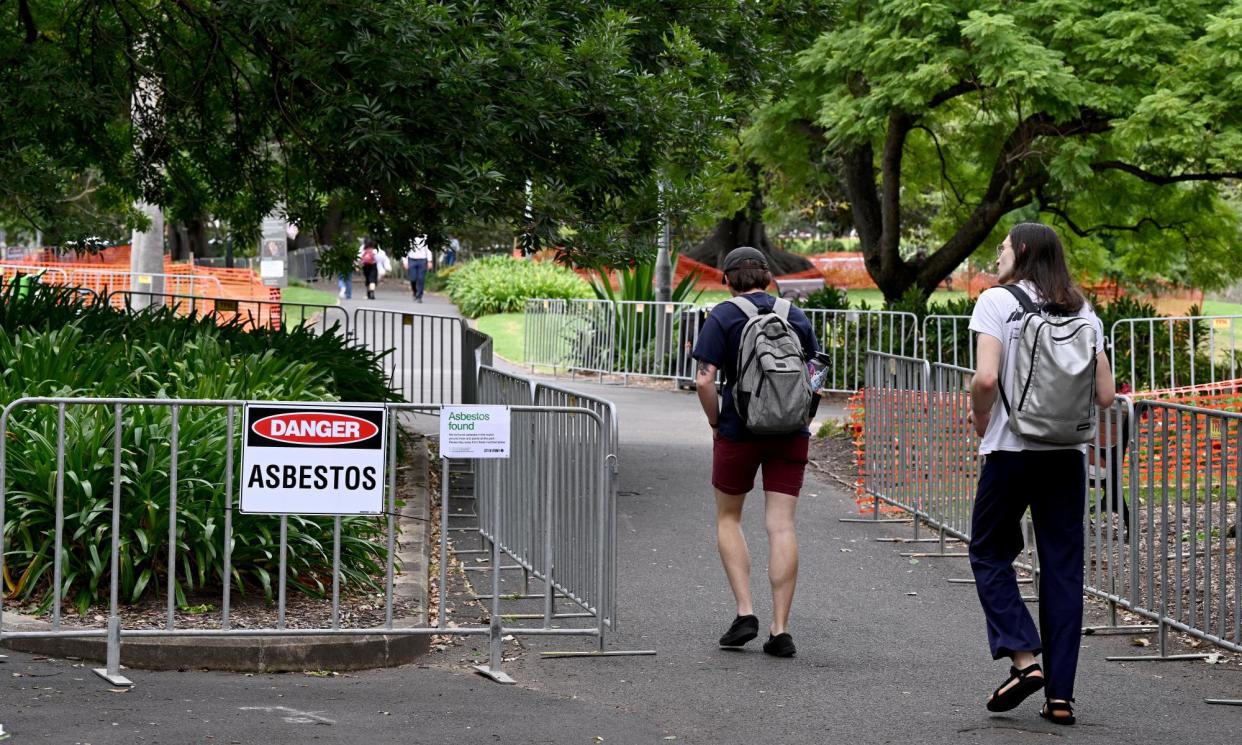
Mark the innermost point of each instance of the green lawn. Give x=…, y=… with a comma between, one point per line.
x=293, y=315
x=1221, y=308
x=307, y=295
x=507, y=331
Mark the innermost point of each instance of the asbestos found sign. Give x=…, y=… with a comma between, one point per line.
x=313, y=459
x=474, y=432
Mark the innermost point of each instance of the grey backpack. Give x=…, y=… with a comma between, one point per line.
x=772, y=394
x=1053, y=400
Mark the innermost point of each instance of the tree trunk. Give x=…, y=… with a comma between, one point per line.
x=333, y=222
x=746, y=228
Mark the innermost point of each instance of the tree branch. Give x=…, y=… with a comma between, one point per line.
x=899, y=125
x=952, y=92
x=28, y=21
x=1051, y=207
x=944, y=173
x=1158, y=179
x=811, y=130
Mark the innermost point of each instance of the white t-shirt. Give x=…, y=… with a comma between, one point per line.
x=999, y=315
x=418, y=250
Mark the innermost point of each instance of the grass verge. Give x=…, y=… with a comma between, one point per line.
x=508, y=332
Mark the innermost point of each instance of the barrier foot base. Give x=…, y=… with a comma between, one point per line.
x=1111, y=630
x=871, y=520
x=598, y=653
x=1223, y=701
x=1158, y=658
x=118, y=680
x=904, y=540
x=496, y=676
x=933, y=555
x=971, y=581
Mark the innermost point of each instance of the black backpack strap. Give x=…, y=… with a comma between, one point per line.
x=1023, y=299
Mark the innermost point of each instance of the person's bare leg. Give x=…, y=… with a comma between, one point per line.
x=733, y=551
x=783, y=555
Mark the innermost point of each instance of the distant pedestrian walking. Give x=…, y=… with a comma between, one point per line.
x=416, y=260
x=738, y=453
x=1036, y=470
x=369, y=261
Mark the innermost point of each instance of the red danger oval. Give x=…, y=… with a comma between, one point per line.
x=314, y=428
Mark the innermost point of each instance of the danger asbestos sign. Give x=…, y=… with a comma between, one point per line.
x=313, y=459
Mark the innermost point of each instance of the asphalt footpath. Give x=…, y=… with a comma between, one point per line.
x=889, y=651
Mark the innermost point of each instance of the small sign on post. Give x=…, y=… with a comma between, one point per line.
x=474, y=432
x=313, y=459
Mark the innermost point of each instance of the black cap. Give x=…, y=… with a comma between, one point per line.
x=735, y=257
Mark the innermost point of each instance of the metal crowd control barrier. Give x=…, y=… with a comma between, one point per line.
x=846, y=337
x=1168, y=354
x=252, y=314
x=654, y=339
x=947, y=340
x=541, y=345
x=646, y=338
x=563, y=523
x=582, y=558
x=53, y=275
x=426, y=357
x=895, y=401
x=104, y=281
x=574, y=335
x=1182, y=565
x=1161, y=536
x=954, y=458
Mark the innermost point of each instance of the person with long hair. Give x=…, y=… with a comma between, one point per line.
x=1019, y=473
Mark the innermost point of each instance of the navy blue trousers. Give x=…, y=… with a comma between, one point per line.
x=1053, y=484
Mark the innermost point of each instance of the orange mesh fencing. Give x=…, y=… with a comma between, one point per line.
x=109, y=272
x=1171, y=448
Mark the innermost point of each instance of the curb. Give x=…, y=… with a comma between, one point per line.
x=268, y=654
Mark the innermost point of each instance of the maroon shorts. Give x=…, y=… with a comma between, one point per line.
x=783, y=460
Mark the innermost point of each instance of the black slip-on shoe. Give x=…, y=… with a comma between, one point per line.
x=780, y=645
x=744, y=629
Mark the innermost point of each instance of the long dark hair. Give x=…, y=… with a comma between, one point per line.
x=1039, y=258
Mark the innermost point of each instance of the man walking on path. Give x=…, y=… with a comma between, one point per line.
x=416, y=261
x=738, y=454
x=1045, y=474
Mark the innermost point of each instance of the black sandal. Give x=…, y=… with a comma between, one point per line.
x=1025, y=686
x=1051, y=708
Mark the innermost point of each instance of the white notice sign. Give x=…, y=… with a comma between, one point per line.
x=474, y=432
x=313, y=459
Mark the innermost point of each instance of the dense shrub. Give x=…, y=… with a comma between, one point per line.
x=353, y=373
x=500, y=284
x=53, y=345
x=437, y=281
x=829, y=298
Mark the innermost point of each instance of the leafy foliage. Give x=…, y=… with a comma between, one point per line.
x=406, y=116
x=637, y=283
x=155, y=354
x=1118, y=122
x=353, y=373
x=829, y=298
x=502, y=284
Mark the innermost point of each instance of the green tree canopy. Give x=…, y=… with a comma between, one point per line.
x=408, y=115
x=1117, y=121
